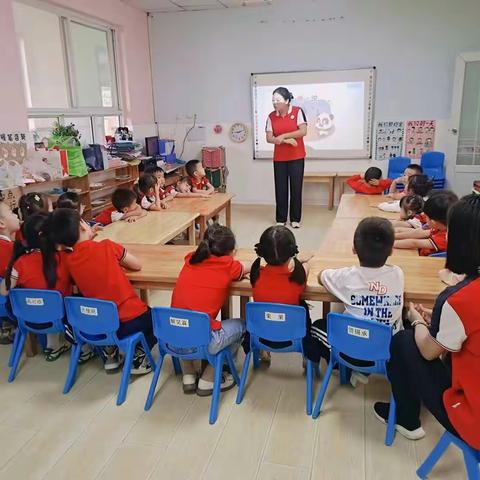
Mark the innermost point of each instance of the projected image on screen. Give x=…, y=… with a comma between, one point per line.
x=338, y=112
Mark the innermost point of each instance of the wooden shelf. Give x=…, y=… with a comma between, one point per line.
x=110, y=185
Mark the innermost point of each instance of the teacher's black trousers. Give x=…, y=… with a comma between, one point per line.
x=415, y=381
x=289, y=174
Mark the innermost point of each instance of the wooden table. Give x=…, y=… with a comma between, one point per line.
x=154, y=229
x=323, y=177
x=361, y=206
x=204, y=208
x=342, y=177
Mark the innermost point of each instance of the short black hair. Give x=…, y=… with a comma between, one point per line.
x=285, y=93
x=415, y=166
x=65, y=226
x=217, y=240
x=372, y=173
x=191, y=167
x=153, y=169
x=123, y=198
x=373, y=241
x=419, y=185
x=69, y=200
x=146, y=182
x=463, y=248
x=437, y=206
x=414, y=203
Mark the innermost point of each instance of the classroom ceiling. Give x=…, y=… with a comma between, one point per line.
x=166, y=6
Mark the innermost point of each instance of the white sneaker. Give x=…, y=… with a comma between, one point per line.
x=189, y=383
x=205, y=388
x=356, y=378
x=295, y=225
x=280, y=224
x=381, y=410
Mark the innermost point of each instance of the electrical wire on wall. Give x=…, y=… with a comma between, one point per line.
x=187, y=133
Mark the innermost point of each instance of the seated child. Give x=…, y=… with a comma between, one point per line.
x=149, y=190
x=282, y=278
x=412, y=169
x=104, y=260
x=433, y=239
x=411, y=212
x=36, y=264
x=31, y=203
x=184, y=189
x=9, y=226
x=124, y=208
x=71, y=200
x=203, y=285
x=370, y=182
x=417, y=185
x=166, y=193
x=198, y=177
x=373, y=290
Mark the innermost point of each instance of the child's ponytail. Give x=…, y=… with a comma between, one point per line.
x=217, y=241
x=255, y=271
x=298, y=274
x=201, y=253
x=47, y=248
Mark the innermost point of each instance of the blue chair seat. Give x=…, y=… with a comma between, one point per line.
x=275, y=322
x=359, y=339
x=185, y=334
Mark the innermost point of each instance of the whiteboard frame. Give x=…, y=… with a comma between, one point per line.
x=371, y=120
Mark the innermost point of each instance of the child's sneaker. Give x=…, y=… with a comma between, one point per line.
x=51, y=355
x=356, y=378
x=265, y=357
x=140, y=363
x=112, y=360
x=7, y=335
x=86, y=356
x=205, y=388
x=381, y=411
x=189, y=383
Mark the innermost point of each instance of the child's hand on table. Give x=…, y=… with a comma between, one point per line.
x=96, y=228
x=131, y=219
x=304, y=257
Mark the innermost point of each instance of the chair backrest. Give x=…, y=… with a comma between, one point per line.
x=432, y=160
x=276, y=322
x=93, y=321
x=361, y=339
x=439, y=254
x=180, y=330
x=39, y=311
x=397, y=165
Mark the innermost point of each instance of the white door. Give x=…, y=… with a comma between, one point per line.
x=463, y=166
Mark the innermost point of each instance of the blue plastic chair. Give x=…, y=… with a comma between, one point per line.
x=185, y=334
x=36, y=311
x=433, y=166
x=396, y=166
x=439, y=255
x=95, y=322
x=364, y=340
x=470, y=455
x=275, y=322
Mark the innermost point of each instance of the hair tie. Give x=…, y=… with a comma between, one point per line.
x=37, y=198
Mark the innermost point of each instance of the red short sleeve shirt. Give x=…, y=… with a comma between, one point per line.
x=28, y=271
x=105, y=217
x=358, y=184
x=6, y=250
x=274, y=285
x=438, y=239
x=199, y=184
x=166, y=191
x=95, y=268
x=204, y=287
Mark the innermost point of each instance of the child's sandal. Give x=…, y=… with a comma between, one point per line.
x=52, y=355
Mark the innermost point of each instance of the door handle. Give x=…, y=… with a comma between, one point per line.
x=454, y=131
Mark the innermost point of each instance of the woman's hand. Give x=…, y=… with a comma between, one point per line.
x=291, y=141
x=419, y=312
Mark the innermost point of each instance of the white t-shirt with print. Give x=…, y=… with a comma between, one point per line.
x=147, y=202
x=372, y=293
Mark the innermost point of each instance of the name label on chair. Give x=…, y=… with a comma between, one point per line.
x=179, y=322
x=34, y=302
x=358, y=332
x=92, y=311
x=275, y=317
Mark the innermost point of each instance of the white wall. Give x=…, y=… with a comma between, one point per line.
x=202, y=63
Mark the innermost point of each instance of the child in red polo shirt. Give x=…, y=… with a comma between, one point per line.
x=184, y=189
x=203, y=286
x=411, y=212
x=282, y=279
x=370, y=183
x=36, y=264
x=124, y=208
x=198, y=177
x=434, y=239
x=167, y=194
x=149, y=193
x=96, y=268
x=9, y=226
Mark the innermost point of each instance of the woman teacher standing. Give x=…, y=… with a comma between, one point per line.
x=286, y=127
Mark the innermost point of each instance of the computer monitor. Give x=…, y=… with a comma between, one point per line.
x=151, y=146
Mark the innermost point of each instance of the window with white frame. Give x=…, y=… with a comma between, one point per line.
x=69, y=71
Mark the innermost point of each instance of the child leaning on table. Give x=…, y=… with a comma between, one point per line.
x=167, y=194
x=203, y=286
x=124, y=207
x=149, y=193
x=198, y=177
x=411, y=212
x=412, y=169
x=370, y=183
x=373, y=290
x=184, y=189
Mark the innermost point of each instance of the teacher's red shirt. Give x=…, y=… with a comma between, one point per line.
x=287, y=124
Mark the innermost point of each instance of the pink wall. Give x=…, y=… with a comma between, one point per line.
x=134, y=61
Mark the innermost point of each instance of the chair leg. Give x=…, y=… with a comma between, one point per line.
x=471, y=464
x=216, y=388
x=323, y=390
x=233, y=368
x=256, y=359
x=345, y=374
x=127, y=367
x=392, y=420
x=153, y=385
x=243, y=379
x=427, y=465
x=148, y=352
x=177, y=368
x=72, y=368
x=309, y=387
x=17, y=356
x=16, y=339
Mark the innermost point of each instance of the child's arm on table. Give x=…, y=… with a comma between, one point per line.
x=131, y=262
x=413, y=233
x=196, y=194
x=400, y=224
x=413, y=243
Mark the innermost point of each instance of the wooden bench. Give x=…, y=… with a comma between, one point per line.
x=323, y=177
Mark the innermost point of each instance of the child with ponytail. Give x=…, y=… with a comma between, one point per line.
x=203, y=286
x=36, y=264
x=278, y=275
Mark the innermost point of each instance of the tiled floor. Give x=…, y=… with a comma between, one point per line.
x=84, y=435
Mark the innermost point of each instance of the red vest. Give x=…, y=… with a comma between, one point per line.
x=287, y=124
